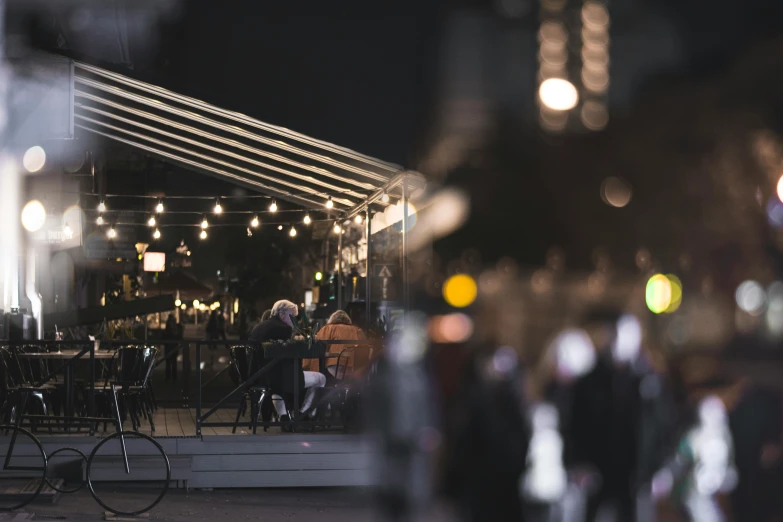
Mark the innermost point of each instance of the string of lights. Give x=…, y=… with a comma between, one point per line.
x=233, y=196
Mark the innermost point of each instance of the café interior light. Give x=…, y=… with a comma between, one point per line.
x=102, y=206
x=329, y=202
x=156, y=234
x=254, y=222
x=307, y=219
x=273, y=206
x=203, y=234
x=151, y=221
x=159, y=206
x=218, y=207
x=99, y=221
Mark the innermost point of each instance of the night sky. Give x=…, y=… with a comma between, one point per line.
x=369, y=77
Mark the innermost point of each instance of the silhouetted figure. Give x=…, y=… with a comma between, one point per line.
x=171, y=334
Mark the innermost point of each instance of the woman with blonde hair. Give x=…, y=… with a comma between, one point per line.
x=341, y=328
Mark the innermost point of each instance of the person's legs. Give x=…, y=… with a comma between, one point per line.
x=312, y=381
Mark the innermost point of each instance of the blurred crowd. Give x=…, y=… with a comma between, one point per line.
x=603, y=427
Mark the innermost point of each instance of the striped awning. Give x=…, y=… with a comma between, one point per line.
x=270, y=159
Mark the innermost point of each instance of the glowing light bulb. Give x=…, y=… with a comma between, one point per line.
x=254, y=222
x=102, y=207
x=273, y=206
x=385, y=198
x=292, y=232
x=279, y=227
x=99, y=221
x=196, y=303
x=337, y=229
x=159, y=207
x=307, y=219
x=329, y=202
x=177, y=302
x=218, y=207
x=151, y=222
x=156, y=234
x=203, y=234
x=33, y=216
x=187, y=253
x=111, y=234
x=358, y=219
x=204, y=224
x=183, y=306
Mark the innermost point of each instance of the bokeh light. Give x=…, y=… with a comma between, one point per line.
x=574, y=353
x=558, y=94
x=616, y=192
x=676, y=293
x=33, y=216
x=658, y=293
x=460, y=290
x=751, y=298
x=775, y=212
x=780, y=189
x=34, y=159
x=451, y=328
x=628, y=341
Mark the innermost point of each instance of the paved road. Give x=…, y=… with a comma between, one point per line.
x=269, y=505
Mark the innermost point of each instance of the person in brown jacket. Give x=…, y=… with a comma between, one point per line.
x=340, y=328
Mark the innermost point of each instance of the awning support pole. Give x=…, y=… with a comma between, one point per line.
x=368, y=275
x=405, y=290
x=340, y=268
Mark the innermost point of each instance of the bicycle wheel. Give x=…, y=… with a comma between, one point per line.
x=133, y=490
x=23, y=475
x=50, y=465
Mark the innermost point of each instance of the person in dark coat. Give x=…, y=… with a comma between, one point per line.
x=280, y=327
x=171, y=334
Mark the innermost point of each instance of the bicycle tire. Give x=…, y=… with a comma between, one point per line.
x=65, y=491
x=137, y=435
x=6, y=428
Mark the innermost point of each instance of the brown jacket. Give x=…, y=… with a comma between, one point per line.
x=355, y=356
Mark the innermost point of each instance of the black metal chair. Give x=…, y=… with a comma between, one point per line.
x=247, y=360
x=21, y=377
x=129, y=372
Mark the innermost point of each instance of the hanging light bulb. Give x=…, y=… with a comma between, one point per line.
x=307, y=219
x=385, y=198
x=159, y=206
x=279, y=227
x=329, y=202
x=151, y=221
x=254, y=222
x=337, y=228
x=292, y=232
x=111, y=234
x=203, y=234
x=273, y=206
x=218, y=207
x=249, y=233
x=156, y=234
x=102, y=206
x=204, y=223
x=99, y=221
x=358, y=219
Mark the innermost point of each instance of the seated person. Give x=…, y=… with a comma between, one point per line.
x=340, y=328
x=280, y=327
